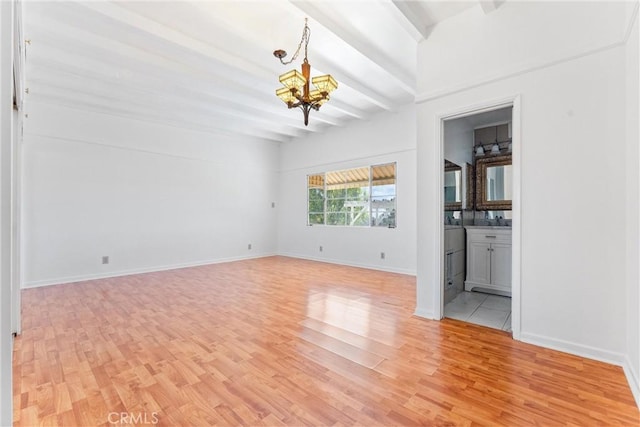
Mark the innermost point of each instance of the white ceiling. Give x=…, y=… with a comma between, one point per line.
x=209, y=65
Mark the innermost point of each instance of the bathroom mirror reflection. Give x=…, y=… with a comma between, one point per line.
x=452, y=186
x=498, y=182
x=494, y=186
x=453, y=217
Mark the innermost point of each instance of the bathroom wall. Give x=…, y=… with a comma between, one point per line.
x=458, y=141
x=458, y=138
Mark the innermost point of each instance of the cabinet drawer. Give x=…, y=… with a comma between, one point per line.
x=488, y=235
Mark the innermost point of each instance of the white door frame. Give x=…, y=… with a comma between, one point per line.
x=516, y=248
x=16, y=224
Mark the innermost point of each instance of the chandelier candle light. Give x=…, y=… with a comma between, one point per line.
x=296, y=92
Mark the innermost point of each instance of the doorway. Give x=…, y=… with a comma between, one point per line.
x=480, y=216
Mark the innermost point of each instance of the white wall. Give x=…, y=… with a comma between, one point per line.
x=147, y=195
x=573, y=233
x=474, y=48
x=6, y=134
x=632, y=208
x=389, y=137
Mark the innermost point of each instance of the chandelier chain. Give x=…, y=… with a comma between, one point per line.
x=306, y=35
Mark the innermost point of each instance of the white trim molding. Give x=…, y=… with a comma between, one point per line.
x=576, y=349
x=606, y=356
x=407, y=271
x=96, y=276
x=427, y=314
x=513, y=101
x=632, y=379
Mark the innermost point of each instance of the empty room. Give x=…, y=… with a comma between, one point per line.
x=324, y=213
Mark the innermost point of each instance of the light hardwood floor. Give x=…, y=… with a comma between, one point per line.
x=281, y=341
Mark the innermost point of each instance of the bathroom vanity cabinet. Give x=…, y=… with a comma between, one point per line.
x=489, y=259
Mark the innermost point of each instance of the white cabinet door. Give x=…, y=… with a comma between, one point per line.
x=501, y=264
x=479, y=263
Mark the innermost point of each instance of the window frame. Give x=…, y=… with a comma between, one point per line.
x=370, y=197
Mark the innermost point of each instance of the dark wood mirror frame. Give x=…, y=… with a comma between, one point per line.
x=471, y=191
x=482, y=204
x=452, y=206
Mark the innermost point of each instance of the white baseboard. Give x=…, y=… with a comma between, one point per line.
x=351, y=264
x=618, y=359
x=104, y=275
x=581, y=350
x=427, y=314
x=632, y=379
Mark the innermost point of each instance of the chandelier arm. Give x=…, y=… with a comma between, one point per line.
x=305, y=107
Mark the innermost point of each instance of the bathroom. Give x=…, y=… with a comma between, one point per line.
x=478, y=216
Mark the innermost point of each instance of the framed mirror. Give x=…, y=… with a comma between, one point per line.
x=494, y=184
x=452, y=186
x=471, y=189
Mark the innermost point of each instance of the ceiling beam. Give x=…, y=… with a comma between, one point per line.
x=402, y=20
x=60, y=96
x=130, y=59
x=139, y=101
x=345, y=76
x=415, y=16
x=139, y=62
x=403, y=79
x=140, y=75
x=178, y=38
x=213, y=53
x=59, y=66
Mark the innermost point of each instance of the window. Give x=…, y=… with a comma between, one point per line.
x=383, y=195
x=315, y=194
x=363, y=196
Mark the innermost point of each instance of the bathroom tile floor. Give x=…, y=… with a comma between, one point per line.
x=493, y=311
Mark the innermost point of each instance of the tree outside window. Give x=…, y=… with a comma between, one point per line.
x=363, y=196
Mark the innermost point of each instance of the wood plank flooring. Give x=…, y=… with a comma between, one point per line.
x=281, y=341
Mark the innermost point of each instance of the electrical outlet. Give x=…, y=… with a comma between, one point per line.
x=105, y=259
x=381, y=255
x=249, y=246
x=320, y=248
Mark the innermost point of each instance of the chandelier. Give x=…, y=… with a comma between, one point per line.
x=296, y=91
